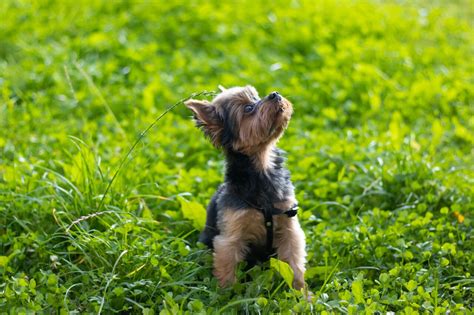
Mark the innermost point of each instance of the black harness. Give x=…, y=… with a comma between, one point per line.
x=268, y=213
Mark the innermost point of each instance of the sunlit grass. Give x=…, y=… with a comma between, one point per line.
x=380, y=150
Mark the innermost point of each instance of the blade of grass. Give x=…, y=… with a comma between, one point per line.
x=140, y=137
x=236, y=303
x=96, y=90
x=109, y=281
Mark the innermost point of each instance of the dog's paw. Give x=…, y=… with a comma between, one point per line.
x=298, y=284
x=225, y=279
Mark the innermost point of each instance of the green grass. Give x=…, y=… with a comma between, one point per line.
x=380, y=149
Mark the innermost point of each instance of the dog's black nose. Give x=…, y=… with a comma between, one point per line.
x=273, y=95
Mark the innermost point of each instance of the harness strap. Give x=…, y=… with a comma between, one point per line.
x=268, y=214
x=268, y=217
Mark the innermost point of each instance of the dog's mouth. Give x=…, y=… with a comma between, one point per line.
x=272, y=129
x=278, y=124
x=279, y=112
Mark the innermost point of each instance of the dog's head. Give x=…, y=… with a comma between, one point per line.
x=238, y=119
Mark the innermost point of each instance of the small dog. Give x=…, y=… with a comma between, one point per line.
x=252, y=215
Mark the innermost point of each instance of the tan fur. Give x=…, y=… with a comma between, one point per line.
x=263, y=128
x=242, y=227
x=286, y=204
x=263, y=159
x=207, y=118
x=290, y=244
x=238, y=228
x=258, y=132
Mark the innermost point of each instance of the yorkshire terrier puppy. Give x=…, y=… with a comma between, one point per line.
x=252, y=215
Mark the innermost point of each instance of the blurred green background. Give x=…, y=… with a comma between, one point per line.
x=380, y=149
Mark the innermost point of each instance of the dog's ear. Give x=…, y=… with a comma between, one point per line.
x=207, y=118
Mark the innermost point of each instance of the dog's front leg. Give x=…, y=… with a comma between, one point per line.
x=228, y=252
x=238, y=228
x=291, y=244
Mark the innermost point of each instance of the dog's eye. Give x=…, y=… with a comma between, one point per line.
x=249, y=108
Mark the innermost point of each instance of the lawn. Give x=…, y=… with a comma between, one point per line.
x=380, y=148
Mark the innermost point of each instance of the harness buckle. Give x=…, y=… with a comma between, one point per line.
x=268, y=213
x=293, y=211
